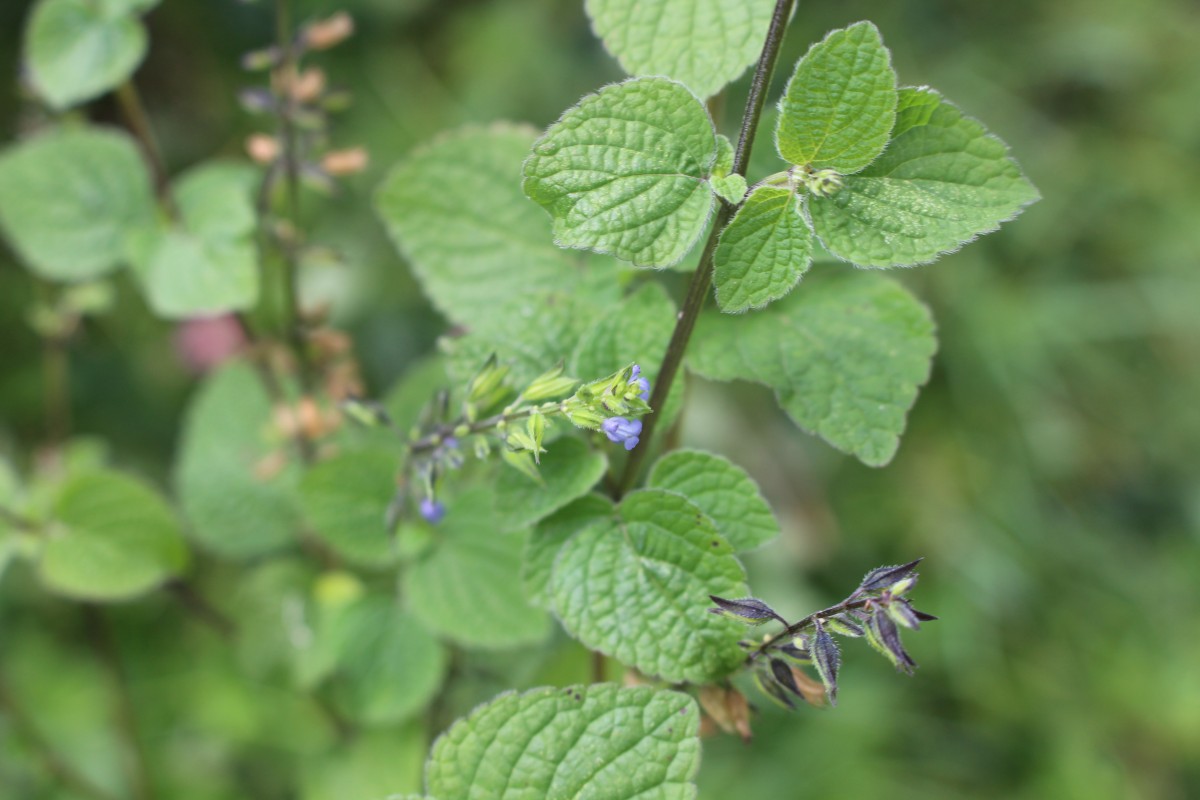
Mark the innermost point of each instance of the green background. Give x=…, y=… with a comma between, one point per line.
x=1050, y=474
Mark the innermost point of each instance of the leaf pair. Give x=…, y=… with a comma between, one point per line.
x=632, y=171
x=77, y=205
x=883, y=176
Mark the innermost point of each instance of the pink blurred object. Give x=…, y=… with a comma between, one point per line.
x=204, y=343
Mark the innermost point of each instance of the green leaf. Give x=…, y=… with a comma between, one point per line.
x=638, y=331
x=703, y=43
x=543, y=544
x=840, y=104
x=80, y=49
x=235, y=482
x=468, y=588
x=70, y=198
x=624, y=172
x=209, y=263
x=372, y=765
x=720, y=489
x=265, y=602
x=942, y=181
x=731, y=188
x=389, y=666
x=534, y=337
x=216, y=199
x=116, y=7
x=455, y=211
x=569, y=470
x=763, y=252
x=845, y=357
x=725, y=154
x=345, y=500
x=636, y=588
x=597, y=741
x=409, y=396
x=112, y=538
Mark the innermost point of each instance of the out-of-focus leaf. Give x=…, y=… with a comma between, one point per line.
x=454, y=209
x=112, y=538
x=80, y=49
x=208, y=263
x=468, y=586
x=235, y=480
x=345, y=499
x=703, y=43
x=388, y=665
x=569, y=469
x=71, y=199
x=845, y=358
x=547, y=539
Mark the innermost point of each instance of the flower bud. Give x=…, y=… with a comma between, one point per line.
x=329, y=32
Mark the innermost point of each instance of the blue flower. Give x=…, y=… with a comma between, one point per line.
x=621, y=430
x=432, y=510
x=636, y=379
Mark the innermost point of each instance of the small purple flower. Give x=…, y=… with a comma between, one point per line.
x=432, y=510
x=635, y=379
x=619, y=429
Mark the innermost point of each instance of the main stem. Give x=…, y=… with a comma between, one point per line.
x=702, y=279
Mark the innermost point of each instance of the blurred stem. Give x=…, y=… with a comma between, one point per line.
x=56, y=369
x=135, y=114
x=270, y=382
x=698, y=290
x=52, y=762
x=290, y=159
x=56, y=385
x=199, y=607
x=18, y=521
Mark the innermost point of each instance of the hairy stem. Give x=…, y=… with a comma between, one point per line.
x=698, y=290
x=796, y=627
x=442, y=432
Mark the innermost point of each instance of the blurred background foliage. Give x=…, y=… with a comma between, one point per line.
x=1050, y=474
